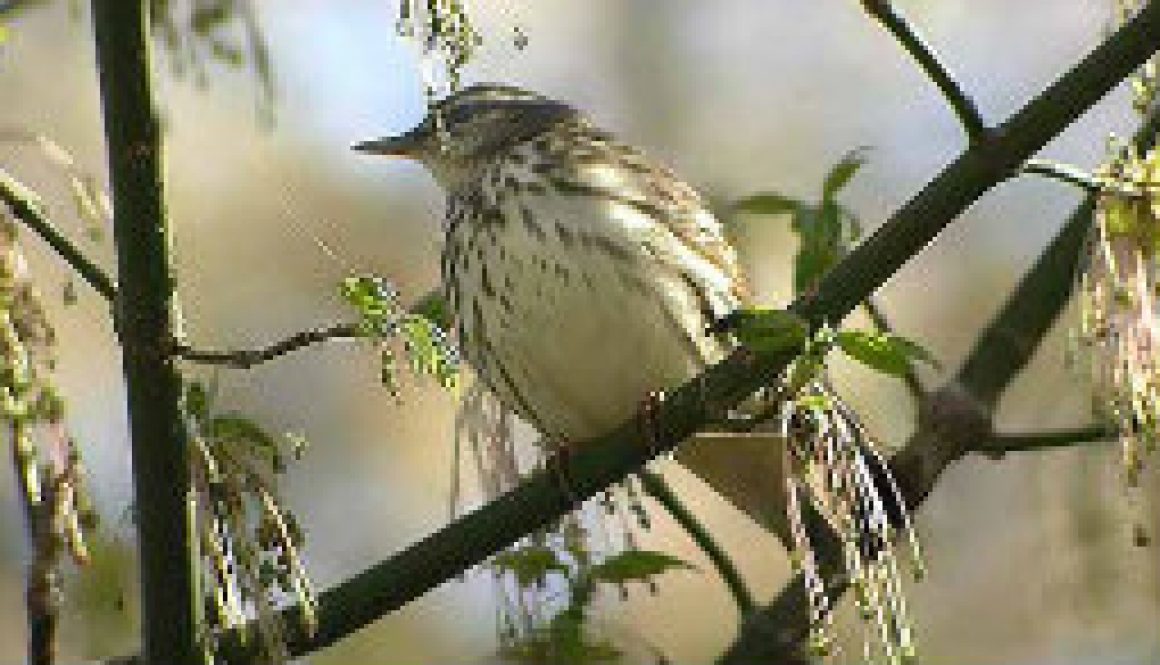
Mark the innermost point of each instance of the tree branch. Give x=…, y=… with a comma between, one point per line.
x=247, y=358
x=28, y=209
x=657, y=488
x=171, y=602
x=1001, y=444
x=961, y=103
x=1071, y=175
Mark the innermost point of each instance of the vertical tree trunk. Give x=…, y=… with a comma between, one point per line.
x=170, y=602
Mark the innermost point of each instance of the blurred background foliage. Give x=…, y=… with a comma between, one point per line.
x=1030, y=558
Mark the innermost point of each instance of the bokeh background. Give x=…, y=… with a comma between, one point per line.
x=1030, y=557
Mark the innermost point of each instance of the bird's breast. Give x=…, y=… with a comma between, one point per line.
x=563, y=309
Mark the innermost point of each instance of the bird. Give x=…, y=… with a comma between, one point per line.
x=583, y=276
x=585, y=279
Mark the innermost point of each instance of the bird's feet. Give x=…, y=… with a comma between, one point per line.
x=648, y=416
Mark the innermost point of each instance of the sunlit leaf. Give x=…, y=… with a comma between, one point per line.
x=236, y=427
x=529, y=564
x=769, y=203
x=840, y=175
x=889, y=354
x=636, y=566
x=767, y=330
x=376, y=301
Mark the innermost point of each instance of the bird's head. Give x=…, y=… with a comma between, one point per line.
x=471, y=126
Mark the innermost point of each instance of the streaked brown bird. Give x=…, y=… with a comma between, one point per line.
x=583, y=275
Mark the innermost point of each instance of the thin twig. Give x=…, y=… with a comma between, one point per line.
x=909, y=376
x=963, y=106
x=28, y=209
x=247, y=358
x=658, y=489
x=1073, y=175
x=1001, y=444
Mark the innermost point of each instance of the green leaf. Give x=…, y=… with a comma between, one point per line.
x=821, y=234
x=815, y=402
x=429, y=351
x=768, y=330
x=529, y=564
x=236, y=427
x=889, y=354
x=842, y=172
x=196, y=400
x=435, y=309
x=636, y=566
x=769, y=203
x=376, y=301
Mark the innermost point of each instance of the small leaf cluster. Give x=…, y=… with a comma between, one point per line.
x=565, y=636
x=383, y=319
x=825, y=228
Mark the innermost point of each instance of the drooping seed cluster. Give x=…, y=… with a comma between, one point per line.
x=57, y=508
x=1119, y=329
x=250, y=542
x=830, y=461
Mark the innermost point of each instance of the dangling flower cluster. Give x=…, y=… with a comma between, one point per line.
x=832, y=468
x=1118, y=294
x=446, y=37
x=250, y=542
x=58, y=509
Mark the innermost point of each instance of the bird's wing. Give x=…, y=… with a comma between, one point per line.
x=689, y=238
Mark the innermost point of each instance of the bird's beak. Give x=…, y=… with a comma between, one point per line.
x=403, y=145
